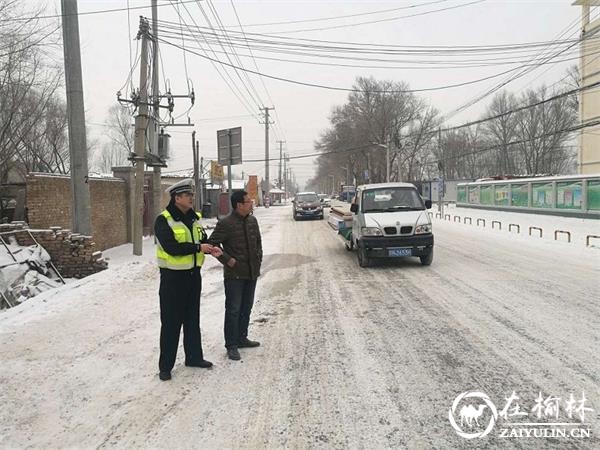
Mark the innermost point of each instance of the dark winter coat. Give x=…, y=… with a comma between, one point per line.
x=239, y=238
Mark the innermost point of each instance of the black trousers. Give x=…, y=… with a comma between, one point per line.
x=179, y=305
x=239, y=299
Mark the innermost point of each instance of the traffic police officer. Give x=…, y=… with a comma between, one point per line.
x=180, y=253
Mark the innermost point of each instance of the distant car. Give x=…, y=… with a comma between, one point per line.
x=325, y=200
x=307, y=204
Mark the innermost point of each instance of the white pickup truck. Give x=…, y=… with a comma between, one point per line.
x=390, y=220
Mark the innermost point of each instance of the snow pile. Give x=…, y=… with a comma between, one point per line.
x=24, y=272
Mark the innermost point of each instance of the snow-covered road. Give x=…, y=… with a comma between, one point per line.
x=350, y=357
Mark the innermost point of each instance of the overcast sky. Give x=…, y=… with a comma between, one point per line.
x=302, y=112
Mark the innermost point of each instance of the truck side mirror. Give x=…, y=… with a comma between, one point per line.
x=354, y=208
x=428, y=204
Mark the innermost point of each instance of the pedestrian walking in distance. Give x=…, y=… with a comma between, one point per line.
x=239, y=236
x=180, y=253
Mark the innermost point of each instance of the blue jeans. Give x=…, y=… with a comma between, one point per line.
x=239, y=299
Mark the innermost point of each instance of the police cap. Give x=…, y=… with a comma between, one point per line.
x=182, y=186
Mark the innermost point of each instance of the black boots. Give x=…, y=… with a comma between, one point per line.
x=247, y=343
x=164, y=376
x=233, y=354
x=204, y=364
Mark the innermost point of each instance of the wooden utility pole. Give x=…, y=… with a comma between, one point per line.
x=80, y=192
x=141, y=125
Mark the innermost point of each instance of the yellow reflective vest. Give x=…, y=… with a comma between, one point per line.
x=182, y=234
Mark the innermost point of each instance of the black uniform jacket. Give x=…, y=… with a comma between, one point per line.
x=165, y=236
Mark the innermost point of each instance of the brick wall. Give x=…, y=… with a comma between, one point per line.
x=49, y=205
x=73, y=255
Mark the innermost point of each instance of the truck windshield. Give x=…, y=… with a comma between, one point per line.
x=391, y=199
x=307, y=198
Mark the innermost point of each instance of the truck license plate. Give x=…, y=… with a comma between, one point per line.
x=400, y=252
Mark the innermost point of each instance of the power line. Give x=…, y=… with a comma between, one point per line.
x=321, y=19
x=338, y=88
x=239, y=96
x=389, y=19
x=441, y=65
x=504, y=83
x=279, y=126
x=87, y=13
x=228, y=41
x=249, y=108
x=344, y=55
x=522, y=108
x=370, y=48
x=485, y=149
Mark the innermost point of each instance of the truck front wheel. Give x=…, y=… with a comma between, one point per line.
x=363, y=259
x=427, y=259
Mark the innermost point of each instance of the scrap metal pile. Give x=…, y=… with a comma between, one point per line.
x=24, y=272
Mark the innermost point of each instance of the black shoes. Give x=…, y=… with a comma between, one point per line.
x=247, y=343
x=204, y=364
x=233, y=354
x=164, y=376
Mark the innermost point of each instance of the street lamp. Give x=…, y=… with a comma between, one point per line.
x=387, y=159
x=347, y=171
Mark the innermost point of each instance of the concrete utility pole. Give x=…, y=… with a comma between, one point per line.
x=279, y=181
x=441, y=172
x=141, y=123
x=156, y=177
x=267, y=182
x=285, y=177
x=201, y=176
x=80, y=191
x=197, y=180
x=195, y=176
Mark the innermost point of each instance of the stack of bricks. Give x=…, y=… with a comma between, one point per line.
x=73, y=255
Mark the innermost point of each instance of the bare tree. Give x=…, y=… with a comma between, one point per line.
x=121, y=139
x=543, y=144
x=500, y=132
x=29, y=133
x=376, y=113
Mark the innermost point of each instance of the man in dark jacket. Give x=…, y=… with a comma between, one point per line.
x=180, y=253
x=239, y=235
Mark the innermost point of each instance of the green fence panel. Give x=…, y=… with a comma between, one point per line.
x=569, y=195
x=519, y=195
x=542, y=195
x=474, y=195
x=594, y=195
x=486, y=195
x=461, y=194
x=501, y=196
